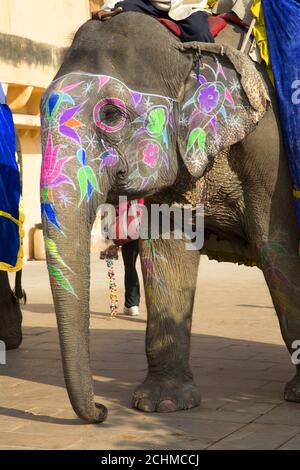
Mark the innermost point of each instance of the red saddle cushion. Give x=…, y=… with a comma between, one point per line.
x=172, y=26
x=232, y=18
x=216, y=24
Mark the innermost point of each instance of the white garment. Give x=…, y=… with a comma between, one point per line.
x=178, y=9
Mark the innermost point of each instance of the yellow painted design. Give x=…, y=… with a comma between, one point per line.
x=19, y=264
x=260, y=34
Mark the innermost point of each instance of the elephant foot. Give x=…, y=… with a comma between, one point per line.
x=292, y=390
x=13, y=341
x=10, y=324
x=165, y=396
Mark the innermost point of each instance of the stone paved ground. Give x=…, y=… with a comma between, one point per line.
x=238, y=360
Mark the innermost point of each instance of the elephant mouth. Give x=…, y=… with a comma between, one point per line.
x=113, y=199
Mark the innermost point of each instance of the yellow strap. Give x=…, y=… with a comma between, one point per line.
x=9, y=216
x=296, y=193
x=19, y=264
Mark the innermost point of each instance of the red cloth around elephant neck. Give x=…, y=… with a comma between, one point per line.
x=118, y=226
x=121, y=208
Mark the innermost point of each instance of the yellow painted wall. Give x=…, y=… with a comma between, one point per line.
x=44, y=27
x=49, y=21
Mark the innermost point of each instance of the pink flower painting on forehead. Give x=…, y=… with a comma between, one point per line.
x=52, y=175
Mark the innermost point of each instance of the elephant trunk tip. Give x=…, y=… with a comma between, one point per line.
x=98, y=414
x=102, y=412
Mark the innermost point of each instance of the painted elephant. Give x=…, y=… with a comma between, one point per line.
x=134, y=112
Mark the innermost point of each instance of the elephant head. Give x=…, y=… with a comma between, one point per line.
x=100, y=138
x=123, y=120
x=110, y=126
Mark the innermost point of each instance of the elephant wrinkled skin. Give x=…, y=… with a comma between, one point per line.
x=128, y=115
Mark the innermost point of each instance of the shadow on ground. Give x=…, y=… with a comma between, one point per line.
x=241, y=381
x=225, y=369
x=48, y=308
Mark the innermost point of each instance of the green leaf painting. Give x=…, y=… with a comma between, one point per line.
x=157, y=121
x=83, y=184
x=53, y=252
x=87, y=182
x=197, y=135
x=91, y=178
x=45, y=191
x=58, y=279
x=270, y=250
x=202, y=140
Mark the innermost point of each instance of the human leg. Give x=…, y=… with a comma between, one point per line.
x=130, y=252
x=196, y=28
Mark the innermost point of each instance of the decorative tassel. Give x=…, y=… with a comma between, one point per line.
x=112, y=288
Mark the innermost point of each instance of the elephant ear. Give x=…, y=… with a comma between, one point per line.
x=225, y=98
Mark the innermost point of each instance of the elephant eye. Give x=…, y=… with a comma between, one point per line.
x=110, y=114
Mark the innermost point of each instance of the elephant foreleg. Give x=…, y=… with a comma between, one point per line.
x=19, y=292
x=10, y=315
x=170, y=275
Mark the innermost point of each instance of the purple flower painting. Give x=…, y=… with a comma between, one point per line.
x=208, y=98
x=108, y=158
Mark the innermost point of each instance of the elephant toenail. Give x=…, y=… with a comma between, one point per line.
x=292, y=394
x=145, y=404
x=190, y=404
x=135, y=402
x=166, y=406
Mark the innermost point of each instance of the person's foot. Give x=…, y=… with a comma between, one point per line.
x=131, y=311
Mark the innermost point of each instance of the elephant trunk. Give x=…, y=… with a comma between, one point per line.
x=68, y=259
x=74, y=339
